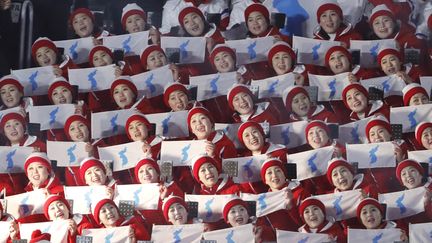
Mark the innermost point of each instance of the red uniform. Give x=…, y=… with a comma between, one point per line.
x=263, y=112
x=345, y=34
x=330, y=227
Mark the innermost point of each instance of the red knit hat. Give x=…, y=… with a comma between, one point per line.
x=10, y=116
x=269, y=163
x=149, y=49
x=171, y=88
x=347, y=88
x=87, y=163
x=278, y=47
x=388, y=51
x=377, y=121
x=11, y=79
x=259, y=8
x=408, y=162
x=196, y=110
x=199, y=161
x=51, y=199
x=40, y=158
x=419, y=130
x=235, y=89
x=335, y=163
x=187, y=11
x=245, y=125
x=308, y=202
x=96, y=209
x=329, y=5
x=290, y=93
x=99, y=48
x=59, y=81
x=233, y=202
x=70, y=120
x=136, y=117
x=85, y=11
x=368, y=201
x=146, y=161
x=380, y=10
x=429, y=22
x=42, y=42
x=126, y=80
x=410, y=90
x=337, y=48
x=218, y=49
x=37, y=236
x=129, y=10
x=170, y=201
x=317, y=123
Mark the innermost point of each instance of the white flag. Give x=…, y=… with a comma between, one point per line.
x=410, y=116
x=10, y=110
x=210, y=207
x=35, y=81
x=213, y=85
x=311, y=163
x=329, y=87
x=341, y=205
x=132, y=44
x=109, y=123
x=92, y=79
x=403, y=203
x=4, y=231
x=192, y=49
x=144, y=196
x=369, y=50
x=83, y=196
x=182, y=152
x=391, y=85
x=67, y=153
x=426, y=83
x=56, y=114
x=274, y=86
x=374, y=235
x=77, y=49
x=266, y=203
x=289, y=134
x=230, y=130
x=170, y=124
x=115, y=234
x=312, y=51
x=152, y=83
x=25, y=204
x=424, y=156
x=372, y=155
x=13, y=158
x=248, y=168
x=124, y=156
x=58, y=229
x=243, y=233
x=289, y=236
x=187, y=233
x=419, y=233
x=354, y=132
x=251, y=50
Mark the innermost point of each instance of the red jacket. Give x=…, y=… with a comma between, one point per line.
x=224, y=186
x=377, y=107
x=318, y=112
x=345, y=34
x=262, y=112
x=329, y=227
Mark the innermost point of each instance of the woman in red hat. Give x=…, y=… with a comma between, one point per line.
x=415, y=94
x=12, y=93
x=134, y=19
x=40, y=175
x=176, y=97
x=100, y=56
x=423, y=135
x=94, y=173
x=175, y=211
x=83, y=23
x=13, y=226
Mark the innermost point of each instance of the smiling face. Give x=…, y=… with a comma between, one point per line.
x=177, y=214
x=257, y=23
x=193, y=24
x=275, y=178
x=155, y=60
x=148, y=174
x=135, y=23
x=313, y=216
x=101, y=58
x=253, y=139
x=138, y=131
x=342, y=178
x=79, y=132
x=61, y=95
x=46, y=56
x=370, y=216
x=208, y=174
x=37, y=174
x=317, y=137
x=426, y=138
x=10, y=95
x=282, y=62
x=14, y=131
x=330, y=21
x=58, y=210
x=390, y=64
x=411, y=177
x=339, y=62
x=243, y=103
x=356, y=100
x=108, y=215
x=178, y=101
x=82, y=25
x=300, y=105
x=238, y=215
x=123, y=96
x=201, y=125
x=383, y=26
x=224, y=62
x=95, y=176
x=379, y=134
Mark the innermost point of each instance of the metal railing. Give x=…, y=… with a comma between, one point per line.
x=26, y=34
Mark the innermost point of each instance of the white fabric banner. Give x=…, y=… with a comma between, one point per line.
x=144, y=196
x=426, y=83
x=109, y=123
x=267, y=202
x=419, y=233
x=58, y=230
x=170, y=124
x=403, y=203
x=230, y=130
x=25, y=204
x=372, y=155
x=213, y=85
x=312, y=51
x=243, y=233
x=341, y=205
x=410, y=116
x=108, y=235
x=192, y=49
x=391, y=85
x=289, y=236
x=182, y=152
x=124, y=156
x=187, y=233
x=92, y=79
x=56, y=114
x=329, y=87
x=210, y=207
x=274, y=86
x=132, y=44
x=77, y=49
x=35, y=81
x=354, y=132
x=248, y=168
x=374, y=235
x=66, y=153
x=369, y=50
x=83, y=196
x=152, y=83
x=424, y=156
x=251, y=50
x=311, y=163
x=13, y=158
x=289, y=134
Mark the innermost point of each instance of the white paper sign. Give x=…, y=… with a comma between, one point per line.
x=289, y=134
x=251, y=50
x=92, y=79
x=274, y=86
x=77, y=49
x=426, y=83
x=354, y=132
x=266, y=203
x=341, y=205
x=109, y=123
x=182, y=152
x=187, y=233
x=419, y=233
x=115, y=234
x=312, y=51
x=67, y=153
x=422, y=156
x=132, y=44
x=374, y=235
x=213, y=85
x=58, y=230
x=311, y=163
x=192, y=49
x=144, y=196
x=35, y=81
x=84, y=196
x=410, y=116
x=289, y=236
x=373, y=155
x=170, y=124
x=369, y=50
x=248, y=168
x=391, y=85
x=25, y=204
x=56, y=114
x=124, y=156
x=13, y=158
x=329, y=87
x=230, y=130
x=210, y=207
x=403, y=203
x=152, y=83
x=243, y=233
